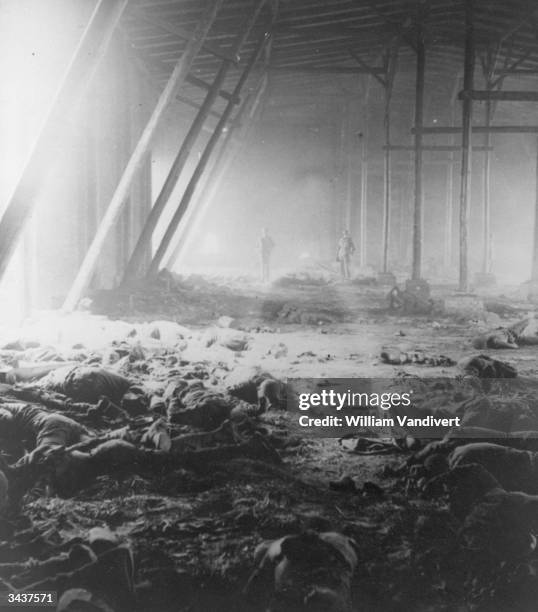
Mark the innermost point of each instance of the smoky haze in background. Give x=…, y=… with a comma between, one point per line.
x=286, y=179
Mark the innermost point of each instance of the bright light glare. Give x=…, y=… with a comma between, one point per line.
x=35, y=47
x=210, y=244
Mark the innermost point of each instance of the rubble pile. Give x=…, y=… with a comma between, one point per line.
x=294, y=299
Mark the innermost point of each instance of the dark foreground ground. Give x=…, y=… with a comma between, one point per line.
x=193, y=531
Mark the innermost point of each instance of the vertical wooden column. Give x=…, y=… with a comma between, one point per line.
x=449, y=203
x=534, y=274
x=419, y=120
x=177, y=78
x=204, y=159
x=351, y=156
x=466, y=151
x=79, y=73
x=486, y=248
x=363, y=210
x=392, y=58
x=386, y=183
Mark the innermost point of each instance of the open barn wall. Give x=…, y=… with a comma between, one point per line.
x=31, y=69
x=77, y=189
x=288, y=178
x=110, y=121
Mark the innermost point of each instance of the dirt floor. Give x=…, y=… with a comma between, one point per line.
x=193, y=531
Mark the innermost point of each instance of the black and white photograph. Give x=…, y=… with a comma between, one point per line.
x=269, y=305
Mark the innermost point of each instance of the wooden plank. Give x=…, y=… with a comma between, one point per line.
x=326, y=69
x=499, y=96
x=134, y=265
x=438, y=148
x=177, y=78
x=80, y=71
x=517, y=71
x=481, y=129
x=202, y=163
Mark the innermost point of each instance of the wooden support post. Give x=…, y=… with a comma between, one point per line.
x=363, y=214
x=350, y=157
x=80, y=71
x=486, y=258
x=202, y=163
x=534, y=273
x=466, y=152
x=386, y=190
x=389, y=81
x=177, y=78
x=449, y=203
x=419, y=119
x=134, y=266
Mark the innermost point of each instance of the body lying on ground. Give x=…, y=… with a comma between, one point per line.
x=522, y=333
x=39, y=429
x=308, y=571
x=71, y=470
x=515, y=470
x=496, y=522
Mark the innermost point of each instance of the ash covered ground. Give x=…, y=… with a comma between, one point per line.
x=174, y=458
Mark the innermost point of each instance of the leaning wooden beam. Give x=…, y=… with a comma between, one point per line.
x=193, y=104
x=501, y=96
x=177, y=78
x=194, y=80
x=467, y=112
x=375, y=72
x=202, y=163
x=419, y=118
x=492, y=83
x=235, y=139
x=482, y=129
x=233, y=143
x=82, y=67
x=144, y=64
x=134, y=266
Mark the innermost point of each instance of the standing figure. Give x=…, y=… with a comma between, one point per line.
x=265, y=246
x=346, y=248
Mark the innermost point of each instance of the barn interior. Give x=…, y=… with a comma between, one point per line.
x=205, y=201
